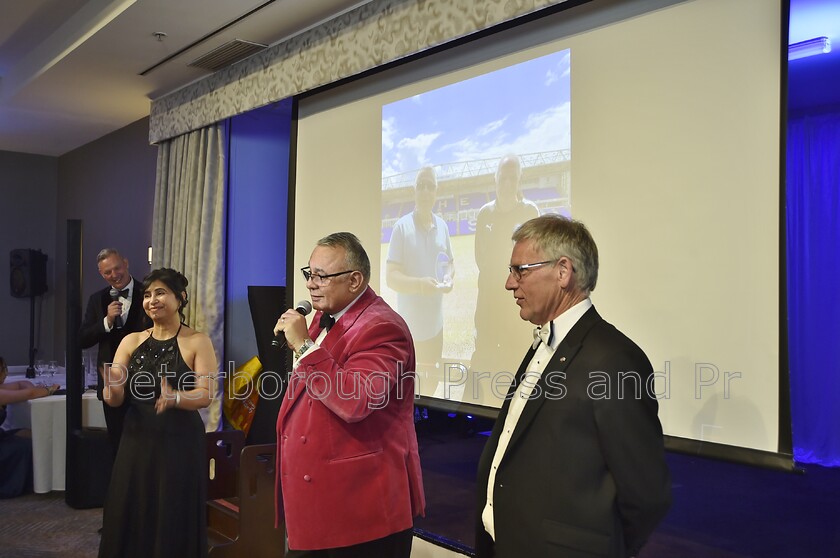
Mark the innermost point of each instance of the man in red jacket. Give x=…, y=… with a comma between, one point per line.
x=349, y=481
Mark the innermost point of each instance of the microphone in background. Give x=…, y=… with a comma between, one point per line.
x=304, y=307
x=115, y=295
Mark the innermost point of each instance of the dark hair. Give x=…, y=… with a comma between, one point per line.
x=355, y=255
x=173, y=279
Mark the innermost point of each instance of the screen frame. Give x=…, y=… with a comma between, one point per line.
x=389, y=75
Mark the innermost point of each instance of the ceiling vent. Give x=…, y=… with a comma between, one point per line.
x=227, y=54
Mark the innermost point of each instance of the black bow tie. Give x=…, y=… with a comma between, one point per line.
x=326, y=321
x=124, y=293
x=544, y=335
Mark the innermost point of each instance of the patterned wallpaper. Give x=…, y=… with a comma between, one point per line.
x=376, y=33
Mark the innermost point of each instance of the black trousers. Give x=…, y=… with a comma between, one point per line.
x=397, y=545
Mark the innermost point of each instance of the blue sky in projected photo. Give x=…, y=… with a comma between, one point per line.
x=520, y=109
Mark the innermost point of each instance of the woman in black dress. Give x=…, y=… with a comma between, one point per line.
x=157, y=495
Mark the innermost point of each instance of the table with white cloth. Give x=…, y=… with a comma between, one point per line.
x=48, y=417
x=17, y=414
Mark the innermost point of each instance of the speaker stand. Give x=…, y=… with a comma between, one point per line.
x=30, y=372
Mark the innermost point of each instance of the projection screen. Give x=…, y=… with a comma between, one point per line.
x=657, y=124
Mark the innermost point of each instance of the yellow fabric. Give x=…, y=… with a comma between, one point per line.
x=241, y=395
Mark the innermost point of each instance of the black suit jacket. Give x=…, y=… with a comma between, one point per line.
x=93, y=328
x=584, y=473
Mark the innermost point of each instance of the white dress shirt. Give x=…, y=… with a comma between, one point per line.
x=562, y=324
x=126, y=305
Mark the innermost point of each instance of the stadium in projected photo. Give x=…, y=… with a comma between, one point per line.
x=462, y=167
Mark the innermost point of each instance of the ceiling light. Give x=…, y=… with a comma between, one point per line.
x=818, y=45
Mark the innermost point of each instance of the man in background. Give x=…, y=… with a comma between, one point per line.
x=111, y=314
x=348, y=469
x=575, y=465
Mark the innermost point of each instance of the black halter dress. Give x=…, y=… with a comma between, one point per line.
x=156, y=503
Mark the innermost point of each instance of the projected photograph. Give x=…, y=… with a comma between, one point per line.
x=462, y=167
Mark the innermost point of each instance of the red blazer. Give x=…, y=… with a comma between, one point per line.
x=349, y=469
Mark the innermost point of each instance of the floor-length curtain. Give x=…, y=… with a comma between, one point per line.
x=188, y=232
x=813, y=231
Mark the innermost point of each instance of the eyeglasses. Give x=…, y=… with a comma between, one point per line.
x=319, y=279
x=517, y=270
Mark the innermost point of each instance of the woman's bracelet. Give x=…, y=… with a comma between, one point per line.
x=177, y=399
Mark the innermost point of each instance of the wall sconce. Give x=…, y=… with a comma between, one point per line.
x=811, y=47
x=150, y=255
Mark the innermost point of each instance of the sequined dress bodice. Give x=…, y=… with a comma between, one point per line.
x=155, y=359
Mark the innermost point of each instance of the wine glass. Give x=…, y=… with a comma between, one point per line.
x=90, y=368
x=40, y=367
x=52, y=368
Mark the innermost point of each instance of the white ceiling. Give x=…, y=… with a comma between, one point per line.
x=69, y=69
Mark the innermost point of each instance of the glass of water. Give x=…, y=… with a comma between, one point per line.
x=89, y=359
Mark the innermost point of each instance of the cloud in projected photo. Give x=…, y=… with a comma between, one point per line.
x=520, y=109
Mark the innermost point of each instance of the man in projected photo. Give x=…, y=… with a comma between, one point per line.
x=349, y=482
x=495, y=223
x=575, y=464
x=420, y=269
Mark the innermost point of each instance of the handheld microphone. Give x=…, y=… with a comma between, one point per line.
x=115, y=295
x=304, y=307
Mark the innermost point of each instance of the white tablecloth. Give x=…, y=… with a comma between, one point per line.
x=18, y=414
x=49, y=436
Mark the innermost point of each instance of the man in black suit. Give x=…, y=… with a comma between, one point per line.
x=110, y=318
x=575, y=464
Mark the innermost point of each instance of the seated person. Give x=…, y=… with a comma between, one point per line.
x=16, y=444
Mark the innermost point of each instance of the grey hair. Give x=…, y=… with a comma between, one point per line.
x=355, y=255
x=557, y=237
x=107, y=253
